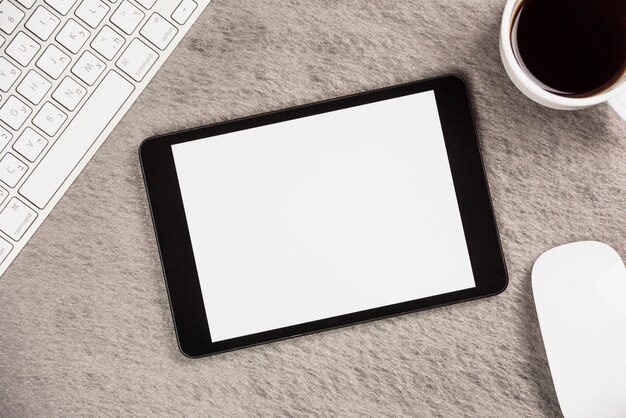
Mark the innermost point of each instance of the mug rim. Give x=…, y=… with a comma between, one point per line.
x=507, y=50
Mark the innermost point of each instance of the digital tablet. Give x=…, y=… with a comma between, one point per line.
x=322, y=216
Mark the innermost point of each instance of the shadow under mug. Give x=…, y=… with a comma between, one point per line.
x=615, y=96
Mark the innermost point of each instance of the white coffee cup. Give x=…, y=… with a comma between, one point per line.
x=615, y=96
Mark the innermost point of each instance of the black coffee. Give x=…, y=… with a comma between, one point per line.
x=572, y=48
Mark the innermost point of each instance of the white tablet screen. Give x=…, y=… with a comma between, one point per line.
x=323, y=216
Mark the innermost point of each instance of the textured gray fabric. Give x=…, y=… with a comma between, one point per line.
x=85, y=326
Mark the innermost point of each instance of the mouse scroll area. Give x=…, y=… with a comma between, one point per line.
x=580, y=297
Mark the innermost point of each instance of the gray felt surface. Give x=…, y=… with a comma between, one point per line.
x=85, y=327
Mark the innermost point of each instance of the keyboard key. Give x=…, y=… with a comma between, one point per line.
x=5, y=137
x=69, y=93
x=158, y=31
x=5, y=249
x=107, y=43
x=9, y=73
x=11, y=170
x=23, y=48
x=53, y=61
x=3, y=195
x=16, y=218
x=10, y=17
x=72, y=36
x=88, y=68
x=2, y=40
x=42, y=23
x=184, y=10
x=14, y=112
x=30, y=144
x=146, y=3
x=76, y=140
x=137, y=60
x=27, y=3
x=34, y=87
x=92, y=12
x=49, y=119
x=127, y=17
x=61, y=6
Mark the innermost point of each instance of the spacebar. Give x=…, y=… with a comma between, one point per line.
x=79, y=136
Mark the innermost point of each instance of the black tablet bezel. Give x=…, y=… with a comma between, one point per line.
x=176, y=252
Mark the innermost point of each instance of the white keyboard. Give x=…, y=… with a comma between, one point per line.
x=69, y=71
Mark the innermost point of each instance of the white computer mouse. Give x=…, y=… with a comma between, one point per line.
x=580, y=295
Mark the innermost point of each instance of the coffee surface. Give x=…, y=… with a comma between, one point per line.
x=572, y=48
